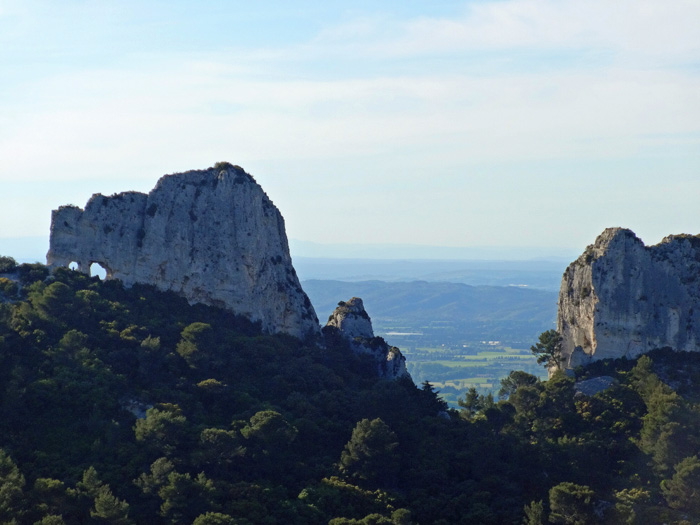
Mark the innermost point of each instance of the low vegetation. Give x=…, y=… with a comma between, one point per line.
x=131, y=406
x=7, y=264
x=479, y=364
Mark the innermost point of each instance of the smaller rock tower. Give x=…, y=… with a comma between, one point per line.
x=352, y=323
x=352, y=320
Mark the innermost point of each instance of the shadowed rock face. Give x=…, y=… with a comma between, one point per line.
x=351, y=322
x=211, y=235
x=621, y=298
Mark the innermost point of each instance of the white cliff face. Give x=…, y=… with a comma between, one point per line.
x=353, y=323
x=211, y=235
x=621, y=298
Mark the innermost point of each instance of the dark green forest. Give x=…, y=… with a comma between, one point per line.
x=132, y=406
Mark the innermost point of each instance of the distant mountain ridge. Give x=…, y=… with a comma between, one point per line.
x=418, y=251
x=544, y=274
x=460, y=309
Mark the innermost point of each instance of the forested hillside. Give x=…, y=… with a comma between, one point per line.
x=131, y=406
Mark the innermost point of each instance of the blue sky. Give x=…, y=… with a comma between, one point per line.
x=481, y=123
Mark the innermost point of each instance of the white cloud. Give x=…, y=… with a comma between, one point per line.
x=113, y=116
x=647, y=27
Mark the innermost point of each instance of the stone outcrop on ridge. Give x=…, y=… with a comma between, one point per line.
x=621, y=298
x=211, y=235
x=595, y=385
x=352, y=320
x=352, y=323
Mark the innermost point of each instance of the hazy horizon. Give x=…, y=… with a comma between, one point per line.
x=34, y=248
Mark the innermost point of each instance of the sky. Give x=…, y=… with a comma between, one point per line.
x=508, y=123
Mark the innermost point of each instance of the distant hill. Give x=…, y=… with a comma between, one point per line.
x=424, y=252
x=458, y=311
x=535, y=273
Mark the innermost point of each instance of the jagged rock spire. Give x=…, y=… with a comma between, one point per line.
x=351, y=321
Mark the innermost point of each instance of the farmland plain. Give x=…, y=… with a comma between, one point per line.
x=454, y=335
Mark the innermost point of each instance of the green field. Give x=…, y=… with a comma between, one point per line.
x=453, y=371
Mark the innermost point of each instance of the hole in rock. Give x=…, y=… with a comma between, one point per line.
x=73, y=265
x=97, y=269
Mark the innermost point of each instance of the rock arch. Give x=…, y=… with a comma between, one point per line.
x=101, y=268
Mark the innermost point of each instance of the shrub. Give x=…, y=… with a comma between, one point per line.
x=8, y=288
x=7, y=264
x=29, y=273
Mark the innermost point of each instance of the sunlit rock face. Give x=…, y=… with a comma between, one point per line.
x=351, y=322
x=211, y=235
x=621, y=298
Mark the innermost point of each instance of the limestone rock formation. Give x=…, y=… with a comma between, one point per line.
x=352, y=320
x=211, y=235
x=621, y=298
x=352, y=323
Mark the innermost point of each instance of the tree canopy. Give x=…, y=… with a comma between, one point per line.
x=132, y=406
x=548, y=349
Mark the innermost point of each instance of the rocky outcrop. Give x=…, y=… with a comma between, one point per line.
x=211, y=235
x=351, y=322
x=621, y=298
x=595, y=385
